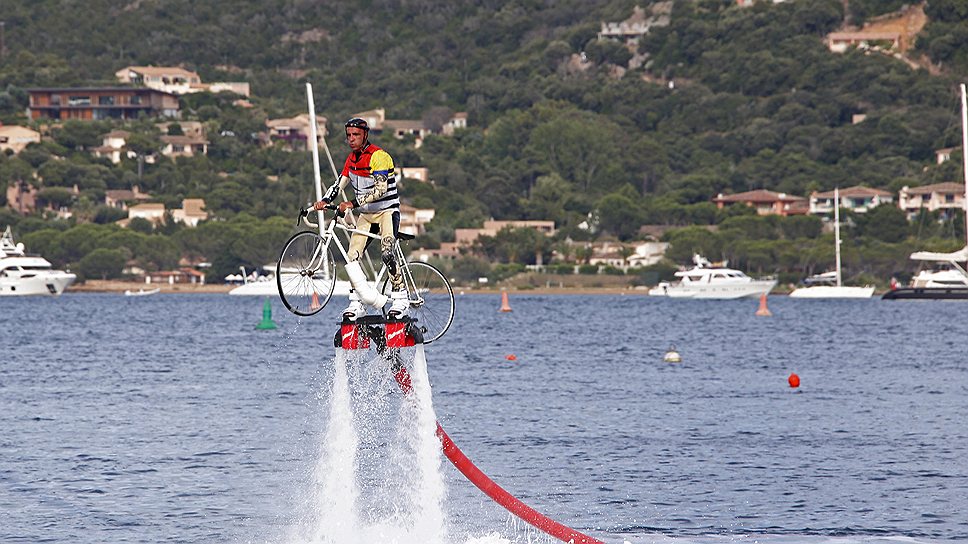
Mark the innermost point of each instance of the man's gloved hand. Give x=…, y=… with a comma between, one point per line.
x=344, y=205
x=320, y=205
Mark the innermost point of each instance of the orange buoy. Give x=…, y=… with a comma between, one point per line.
x=512, y=357
x=794, y=380
x=763, y=311
x=314, y=305
x=505, y=305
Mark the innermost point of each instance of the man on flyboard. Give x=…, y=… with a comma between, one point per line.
x=369, y=170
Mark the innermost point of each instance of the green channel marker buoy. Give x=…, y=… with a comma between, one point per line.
x=267, y=324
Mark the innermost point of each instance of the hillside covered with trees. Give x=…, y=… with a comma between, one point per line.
x=562, y=125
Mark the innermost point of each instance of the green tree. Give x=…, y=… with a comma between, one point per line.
x=102, y=263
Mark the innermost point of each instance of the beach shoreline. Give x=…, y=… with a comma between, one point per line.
x=110, y=286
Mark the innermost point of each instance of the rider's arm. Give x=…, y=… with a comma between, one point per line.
x=332, y=192
x=381, y=165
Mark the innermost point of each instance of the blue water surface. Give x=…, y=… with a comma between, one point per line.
x=169, y=418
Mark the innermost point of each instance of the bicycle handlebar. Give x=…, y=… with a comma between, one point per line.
x=304, y=214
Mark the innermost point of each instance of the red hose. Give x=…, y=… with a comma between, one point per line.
x=494, y=491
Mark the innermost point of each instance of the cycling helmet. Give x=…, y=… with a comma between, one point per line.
x=357, y=122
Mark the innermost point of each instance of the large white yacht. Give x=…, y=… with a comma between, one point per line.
x=705, y=281
x=22, y=274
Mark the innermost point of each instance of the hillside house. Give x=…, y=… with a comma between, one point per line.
x=414, y=220
x=152, y=211
x=630, y=30
x=175, y=80
x=466, y=237
x=400, y=128
x=944, y=155
x=946, y=197
x=840, y=42
x=766, y=202
x=120, y=198
x=294, y=132
x=16, y=138
x=87, y=103
x=183, y=146
x=859, y=199
x=191, y=212
x=419, y=173
x=113, y=146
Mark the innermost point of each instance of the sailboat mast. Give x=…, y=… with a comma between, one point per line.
x=837, y=230
x=964, y=153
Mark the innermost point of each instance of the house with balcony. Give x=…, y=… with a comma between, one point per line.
x=766, y=202
x=16, y=138
x=946, y=197
x=175, y=80
x=294, y=132
x=95, y=103
x=859, y=199
x=113, y=146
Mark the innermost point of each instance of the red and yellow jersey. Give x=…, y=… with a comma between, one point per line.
x=371, y=173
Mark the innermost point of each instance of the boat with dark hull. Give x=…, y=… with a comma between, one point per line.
x=949, y=279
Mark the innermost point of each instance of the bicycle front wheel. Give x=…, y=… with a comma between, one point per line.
x=306, y=273
x=431, y=299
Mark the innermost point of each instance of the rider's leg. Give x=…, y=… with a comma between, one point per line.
x=356, y=308
x=390, y=225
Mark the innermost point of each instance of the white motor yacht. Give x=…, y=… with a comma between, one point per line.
x=22, y=274
x=705, y=281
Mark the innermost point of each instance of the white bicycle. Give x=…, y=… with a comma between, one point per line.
x=306, y=276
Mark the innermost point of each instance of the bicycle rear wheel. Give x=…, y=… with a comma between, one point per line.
x=306, y=273
x=431, y=299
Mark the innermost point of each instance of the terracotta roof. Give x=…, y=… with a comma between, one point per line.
x=947, y=187
x=760, y=195
x=183, y=140
x=117, y=134
x=194, y=206
x=403, y=124
x=858, y=190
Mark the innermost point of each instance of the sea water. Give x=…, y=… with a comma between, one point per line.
x=169, y=418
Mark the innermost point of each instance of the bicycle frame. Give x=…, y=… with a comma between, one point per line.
x=329, y=234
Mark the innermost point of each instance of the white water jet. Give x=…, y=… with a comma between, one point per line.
x=428, y=488
x=334, y=477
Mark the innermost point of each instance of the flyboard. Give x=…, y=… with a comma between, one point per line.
x=388, y=336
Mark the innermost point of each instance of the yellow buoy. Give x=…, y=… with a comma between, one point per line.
x=672, y=356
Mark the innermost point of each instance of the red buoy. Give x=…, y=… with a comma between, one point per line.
x=794, y=380
x=512, y=357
